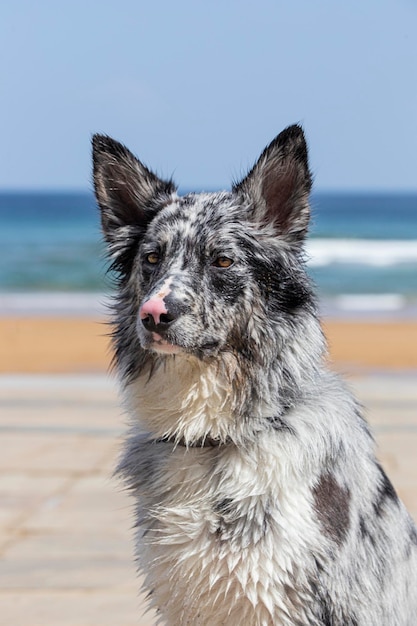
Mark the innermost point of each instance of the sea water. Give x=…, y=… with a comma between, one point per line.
x=361, y=253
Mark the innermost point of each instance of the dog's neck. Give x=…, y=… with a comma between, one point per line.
x=184, y=400
x=191, y=403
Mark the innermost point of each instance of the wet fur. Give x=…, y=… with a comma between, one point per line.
x=258, y=497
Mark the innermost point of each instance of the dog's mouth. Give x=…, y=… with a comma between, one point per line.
x=163, y=345
x=159, y=344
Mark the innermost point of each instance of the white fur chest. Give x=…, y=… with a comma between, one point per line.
x=184, y=399
x=220, y=536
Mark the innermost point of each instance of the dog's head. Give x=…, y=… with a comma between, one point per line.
x=212, y=272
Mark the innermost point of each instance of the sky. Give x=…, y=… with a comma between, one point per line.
x=197, y=89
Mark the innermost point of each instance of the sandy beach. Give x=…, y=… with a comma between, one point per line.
x=69, y=344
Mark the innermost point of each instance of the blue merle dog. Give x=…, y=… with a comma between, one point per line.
x=259, y=500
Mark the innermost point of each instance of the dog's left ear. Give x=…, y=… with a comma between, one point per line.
x=278, y=186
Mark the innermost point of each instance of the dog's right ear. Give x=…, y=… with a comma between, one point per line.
x=127, y=192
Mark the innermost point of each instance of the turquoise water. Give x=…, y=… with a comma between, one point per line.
x=50, y=242
x=359, y=244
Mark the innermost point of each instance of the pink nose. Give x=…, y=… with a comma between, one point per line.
x=154, y=307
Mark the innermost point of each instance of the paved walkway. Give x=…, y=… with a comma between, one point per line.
x=65, y=539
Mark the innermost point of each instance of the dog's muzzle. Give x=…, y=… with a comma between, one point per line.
x=157, y=317
x=158, y=314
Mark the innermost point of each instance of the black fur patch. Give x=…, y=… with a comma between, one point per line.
x=121, y=265
x=365, y=533
x=283, y=291
x=227, y=285
x=278, y=423
x=234, y=524
x=411, y=545
x=332, y=617
x=223, y=507
x=327, y=611
x=332, y=506
x=385, y=494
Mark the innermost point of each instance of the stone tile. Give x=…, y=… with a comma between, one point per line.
x=393, y=418
x=38, y=452
x=73, y=546
x=69, y=560
x=82, y=402
x=83, y=386
x=384, y=387
x=5, y=538
x=21, y=494
x=18, y=449
x=398, y=456
x=76, y=453
x=388, y=399
x=401, y=447
x=83, y=573
x=91, y=504
x=408, y=495
x=56, y=416
x=73, y=608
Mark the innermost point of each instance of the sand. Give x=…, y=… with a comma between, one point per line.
x=62, y=345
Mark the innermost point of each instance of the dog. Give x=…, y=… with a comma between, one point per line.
x=258, y=497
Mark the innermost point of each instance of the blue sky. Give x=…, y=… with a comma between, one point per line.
x=197, y=89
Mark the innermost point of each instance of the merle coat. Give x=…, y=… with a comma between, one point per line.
x=259, y=500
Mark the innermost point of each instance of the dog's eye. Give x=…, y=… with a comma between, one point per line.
x=152, y=258
x=223, y=261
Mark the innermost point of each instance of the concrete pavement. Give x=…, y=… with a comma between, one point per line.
x=65, y=538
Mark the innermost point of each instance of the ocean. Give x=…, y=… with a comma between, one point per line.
x=361, y=253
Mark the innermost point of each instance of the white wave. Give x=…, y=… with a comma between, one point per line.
x=369, y=306
x=371, y=302
x=53, y=303
x=376, y=253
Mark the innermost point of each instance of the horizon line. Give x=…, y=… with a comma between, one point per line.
x=209, y=189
